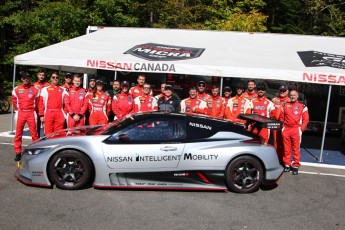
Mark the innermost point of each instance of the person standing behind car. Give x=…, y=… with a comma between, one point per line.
x=193, y=104
x=99, y=104
x=263, y=107
x=90, y=89
x=51, y=104
x=227, y=94
x=162, y=94
x=168, y=103
x=114, y=92
x=250, y=94
x=215, y=103
x=76, y=103
x=145, y=102
x=123, y=103
x=202, y=95
x=40, y=83
x=237, y=105
x=25, y=98
x=277, y=134
x=138, y=90
x=295, y=118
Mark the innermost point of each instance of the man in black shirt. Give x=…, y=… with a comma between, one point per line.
x=169, y=103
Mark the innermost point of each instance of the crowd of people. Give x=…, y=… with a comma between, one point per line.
x=69, y=105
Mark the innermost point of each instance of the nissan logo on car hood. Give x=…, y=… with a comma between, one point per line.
x=160, y=52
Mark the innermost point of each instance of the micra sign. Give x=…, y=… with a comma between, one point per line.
x=160, y=52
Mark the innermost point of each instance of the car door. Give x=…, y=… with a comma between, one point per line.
x=150, y=143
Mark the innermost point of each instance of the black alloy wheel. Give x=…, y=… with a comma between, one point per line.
x=70, y=170
x=5, y=105
x=244, y=174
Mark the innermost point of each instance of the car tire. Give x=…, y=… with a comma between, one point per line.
x=244, y=174
x=70, y=170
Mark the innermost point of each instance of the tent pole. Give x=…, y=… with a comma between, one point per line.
x=115, y=75
x=325, y=124
x=12, y=112
x=221, y=87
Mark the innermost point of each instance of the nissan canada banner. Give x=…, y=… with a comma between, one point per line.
x=160, y=52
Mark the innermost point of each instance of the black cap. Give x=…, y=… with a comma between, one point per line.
x=125, y=83
x=283, y=88
x=201, y=83
x=91, y=79
x=168, y=87
x=26, y=74
x=227, y=89
x=261, y=86
x=99, y=82
x=240, y=85
x=68, y=75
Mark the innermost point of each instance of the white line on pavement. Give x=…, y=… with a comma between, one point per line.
x=323, y=174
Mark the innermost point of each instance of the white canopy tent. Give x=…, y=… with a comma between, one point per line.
x=312, y=59
x=224, y=54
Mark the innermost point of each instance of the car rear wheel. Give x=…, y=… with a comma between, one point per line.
x=70, y=170
x=244, y=174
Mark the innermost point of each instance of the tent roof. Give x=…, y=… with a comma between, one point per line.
x=213, y=53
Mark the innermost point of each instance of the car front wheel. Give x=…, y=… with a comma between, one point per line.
x=244, y=174
x=70, y=170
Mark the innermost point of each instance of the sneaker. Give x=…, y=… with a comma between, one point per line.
x=295, y=170
x=18, y=157
x=287, y=168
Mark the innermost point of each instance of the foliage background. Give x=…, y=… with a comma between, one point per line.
x=27, y=25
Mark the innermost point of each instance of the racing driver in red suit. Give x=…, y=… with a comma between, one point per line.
x=40, y=83
x=277, y=134
x=24, y=99
x=50, y=107
x=99, y=105
x=123, y=102
x=295, y=118
x=192, y=104
x=76, y=103
x=145, y=102
x=263, y=107
x=215, y=104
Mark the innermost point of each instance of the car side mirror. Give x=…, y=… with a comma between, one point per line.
x=123, y=138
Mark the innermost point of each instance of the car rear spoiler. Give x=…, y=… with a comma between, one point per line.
x=261, y=121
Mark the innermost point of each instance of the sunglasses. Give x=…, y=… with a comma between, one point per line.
x=147, y=87
x=54, y=77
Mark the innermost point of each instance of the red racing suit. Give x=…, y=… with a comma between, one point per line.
x=263, y=107
x=215, y=106
x=99, y=107
x=67, y=86
x=122, y=104
x=277, y=134
x=203, y=96
x=50, y=106
x=40, y=85
x=25, y=99
x=76, y=104
x=250, y=95
x=137, y=91
x=237, y=105
x=187, y=105
x=295, y=118
x=145, y=103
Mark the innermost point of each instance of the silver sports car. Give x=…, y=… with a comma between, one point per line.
x=154, y=151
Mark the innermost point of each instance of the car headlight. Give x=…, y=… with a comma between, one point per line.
x=35, y=151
